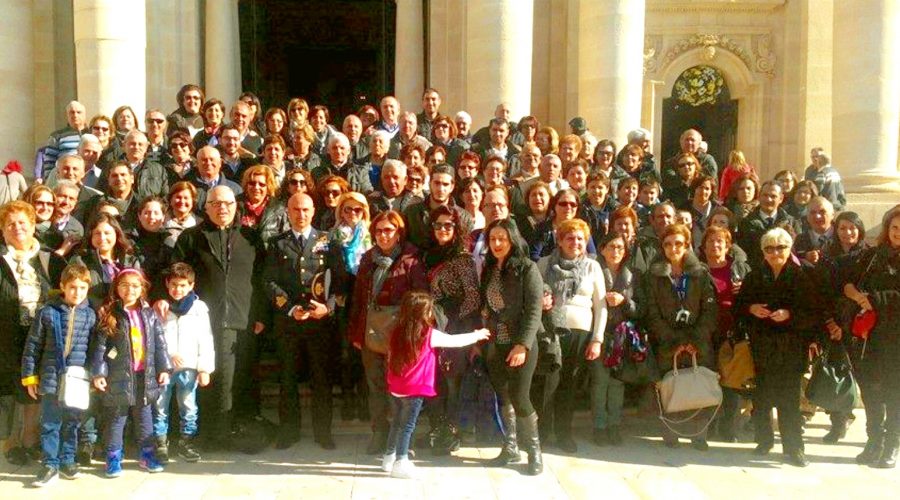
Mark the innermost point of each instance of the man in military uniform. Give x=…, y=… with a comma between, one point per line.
x=298, y=281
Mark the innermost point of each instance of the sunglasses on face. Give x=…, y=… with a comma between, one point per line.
x=100, y=129
x=442, y=226
x=178, y=145
x=415, y=180
x=158, y=121
x=191, y=98
x=353, y=210
x=333, y=193
x=775, y=249
x=386, y=231
x=442, y=125
x=567, y=204
x=256, y=184
x=297, y=182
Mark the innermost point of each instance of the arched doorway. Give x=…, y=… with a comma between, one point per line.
x=334, y=52
x=701, y=100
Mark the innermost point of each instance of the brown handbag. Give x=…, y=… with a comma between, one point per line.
x=379, y=323
x=736, y=365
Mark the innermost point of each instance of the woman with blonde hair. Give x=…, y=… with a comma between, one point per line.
x=737, y=166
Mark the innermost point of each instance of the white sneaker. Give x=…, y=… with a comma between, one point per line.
x=404, y=469
x=387, y=461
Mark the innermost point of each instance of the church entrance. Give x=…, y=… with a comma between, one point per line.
x=334, y=52
x=701, y=100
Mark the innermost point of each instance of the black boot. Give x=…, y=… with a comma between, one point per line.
x=187, y=450
x=873, y=450
x=838, y=431
x=84, y=453
x=528, y=426
x=162, y=449
x=509, y=453
x=888, y=458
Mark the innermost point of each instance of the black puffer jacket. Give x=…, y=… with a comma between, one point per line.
x=111, y=357
x=42, y=359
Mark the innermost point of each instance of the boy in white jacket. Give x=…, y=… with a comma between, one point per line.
x=190, y=341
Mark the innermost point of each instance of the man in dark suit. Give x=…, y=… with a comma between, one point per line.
x=223, y=255
x=298, y=277
x=768, y=215
x=392, y=193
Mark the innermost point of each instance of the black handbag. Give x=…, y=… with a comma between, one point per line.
x=832, y=386
x=637, y=369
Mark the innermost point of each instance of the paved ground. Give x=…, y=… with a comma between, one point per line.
x=642, y=468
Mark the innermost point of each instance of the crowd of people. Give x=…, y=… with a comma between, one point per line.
x=403, y=258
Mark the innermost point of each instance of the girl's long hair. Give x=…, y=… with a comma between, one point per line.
x=416, y=316
x=106, y=314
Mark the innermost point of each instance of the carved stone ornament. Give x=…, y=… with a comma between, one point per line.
x=652, y=51
x=755, y=51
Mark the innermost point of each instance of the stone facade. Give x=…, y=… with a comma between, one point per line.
x=804, y=72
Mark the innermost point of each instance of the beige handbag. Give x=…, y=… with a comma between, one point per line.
x=693, y=388
x=379, y=323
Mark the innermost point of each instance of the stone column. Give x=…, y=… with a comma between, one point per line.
x=866, y=94
x=17, y=90
x=110, y=54
x=605, y=88
x=223, y=51
x=409, y=64
x=498, y=57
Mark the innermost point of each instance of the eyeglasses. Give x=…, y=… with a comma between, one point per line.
x=220, y=203
x=775, y=249
x=442, y=226
x=353, y=210
x=158, y=121
x=386, y=231
x=567, y=204
x=415, y=180
x=332, y=192
x=297, y=182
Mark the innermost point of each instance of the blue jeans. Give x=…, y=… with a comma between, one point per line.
x=406, y=413
x=184, y=384
x=59, y=431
